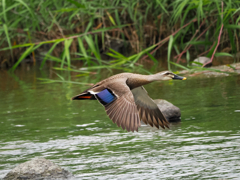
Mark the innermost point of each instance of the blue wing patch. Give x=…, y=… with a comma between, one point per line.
x=106, y=96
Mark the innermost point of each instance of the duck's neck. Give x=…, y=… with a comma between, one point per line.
x=140, y=80
x=153, y=77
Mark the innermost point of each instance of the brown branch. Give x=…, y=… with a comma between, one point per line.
x=219, y=38
x=188, y=46
x=207, y=50
x=184, y=51
x=159, y=44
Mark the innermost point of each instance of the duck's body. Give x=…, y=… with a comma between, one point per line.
x=126, y=101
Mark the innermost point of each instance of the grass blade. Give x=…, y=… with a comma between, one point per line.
x=223, y=54
x=4, y=10
x=8, y=38
x=170, y=45
x=23, y=56
x=93, y=48
x=179, y=65
x=48, y=53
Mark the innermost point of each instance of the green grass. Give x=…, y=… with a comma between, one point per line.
x=79, y=30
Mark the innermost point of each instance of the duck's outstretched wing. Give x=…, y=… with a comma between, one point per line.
x=120, y=106
x=148, y=110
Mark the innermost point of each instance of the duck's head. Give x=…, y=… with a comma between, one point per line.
x=168, y=75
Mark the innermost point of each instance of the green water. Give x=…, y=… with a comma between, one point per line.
x=40, y=120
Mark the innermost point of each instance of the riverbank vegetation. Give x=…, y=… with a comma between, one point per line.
x=116, y=34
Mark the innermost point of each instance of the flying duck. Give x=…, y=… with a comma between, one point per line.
x=126, y=101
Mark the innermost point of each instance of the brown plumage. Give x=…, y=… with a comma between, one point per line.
x=126, y=101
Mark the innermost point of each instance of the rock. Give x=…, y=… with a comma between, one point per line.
x=38, y=168
x=172, y=113
x=201, y=60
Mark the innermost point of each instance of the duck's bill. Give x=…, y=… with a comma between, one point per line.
x=179, y=77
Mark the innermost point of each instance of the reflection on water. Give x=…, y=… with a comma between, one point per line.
x=41, y=120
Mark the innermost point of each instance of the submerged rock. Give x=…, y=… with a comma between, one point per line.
x=38, y=168
x=172, y=113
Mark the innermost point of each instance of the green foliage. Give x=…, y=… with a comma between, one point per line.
x=80, y=30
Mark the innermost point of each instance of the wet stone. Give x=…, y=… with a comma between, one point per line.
x=172, y=113
x=38, y=168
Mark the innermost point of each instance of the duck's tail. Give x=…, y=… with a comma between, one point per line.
x=84, y=96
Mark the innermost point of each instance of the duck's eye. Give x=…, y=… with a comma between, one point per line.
x=167, y=74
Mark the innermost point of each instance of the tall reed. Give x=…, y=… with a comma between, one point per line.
x=63, y=30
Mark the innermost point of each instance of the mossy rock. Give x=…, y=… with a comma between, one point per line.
x=38, y=168
x=172, y=113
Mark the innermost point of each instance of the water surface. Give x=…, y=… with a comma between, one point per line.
x=40, y=120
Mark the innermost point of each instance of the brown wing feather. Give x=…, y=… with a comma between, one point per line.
x=148, y=110
x=123, y=111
